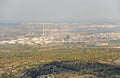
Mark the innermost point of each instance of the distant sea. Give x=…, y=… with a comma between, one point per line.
x=89, y=29
x=9, y=24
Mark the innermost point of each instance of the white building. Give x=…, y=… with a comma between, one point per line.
x=21, y=42
x=12, y=42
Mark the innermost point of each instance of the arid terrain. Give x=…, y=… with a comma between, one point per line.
x=63, y=61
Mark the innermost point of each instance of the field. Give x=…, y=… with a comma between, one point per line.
x=63, y=61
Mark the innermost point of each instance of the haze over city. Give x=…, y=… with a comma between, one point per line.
x=84, y=11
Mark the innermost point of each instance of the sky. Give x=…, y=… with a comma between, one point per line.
x=60, y=10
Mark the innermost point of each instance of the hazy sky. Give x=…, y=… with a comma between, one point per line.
x=60, y=10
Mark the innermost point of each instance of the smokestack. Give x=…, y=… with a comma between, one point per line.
x=43, y=31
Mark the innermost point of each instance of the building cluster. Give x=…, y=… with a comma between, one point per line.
x=28, y=41
x=97, y=38
x=100, y=36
